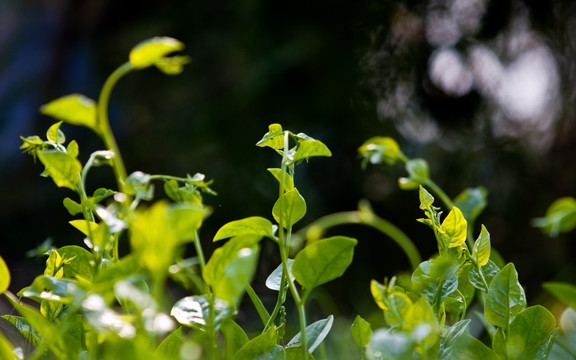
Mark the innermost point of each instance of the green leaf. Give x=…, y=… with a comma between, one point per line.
x=72, y=206
x=172, y=65
x=457, y=344
x=361, y=331
x=315, y=334
x=481, y=249
x=453, y=229
x=55, y=135
x=184, y=220
x=435, y=279
x=4, y=276
x=289, y=208
x=73, y=149
x=254, y=225
x=54, y=289
x=564, y=292
x=418, y=174
x=323, y=260
x=421, y=315
x=471, y=202
x=390, y=344
x=273, y=281
x=505, y=297
x=169, y=348
x=274, y=138
x=74, y=109
x=235, y=337
x=150, y=52
x=393, y=300
x=77, y=262
x=63, y=168
x=232, y=267
x=530, y=334
x=489, y=271
x=260, y=345
x=380, y=149
x=194, y=311
x=560, y=217
x=426, y=199
x=310, y=148
x=288, y=181
x=6, y=350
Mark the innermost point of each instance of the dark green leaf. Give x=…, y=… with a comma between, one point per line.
x=255, y=225
x=471, y=202
x=530, y=334
x=486, y=273
x=323, y=260
x=289, y=208
x=505, y=297
x=74, y=109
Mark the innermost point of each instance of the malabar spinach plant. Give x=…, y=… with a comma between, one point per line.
x=95, y=303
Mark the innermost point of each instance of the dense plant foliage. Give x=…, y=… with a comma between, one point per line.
x=95, y=302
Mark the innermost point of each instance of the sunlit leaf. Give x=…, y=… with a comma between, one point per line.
x=481, y=249
x=194, y=311
x=426, y=199
x=310, y=148
x=172, y=65
x=150, y=52
x=6, y=349
x=315, y=334
x=63, y=168
x=289, y=208
x=232, y=267
x=288, y=181
x=254, y=225
x=73, y=149
x=55, y=135
x=4, y=276
x=380, y=149
x=274, y=280
x=74, y=109
x=530, y=334
x=361, y=331
x=453, y=229
x=184, y=220
x=323, y=260
x=505, y=297
x=274, y=138
x=77, y=261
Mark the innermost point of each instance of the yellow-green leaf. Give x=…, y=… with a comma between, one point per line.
x=481, y=249
x=55, y=135
x=4, y=276
x=63, y=168
x=274, y=138
x=453, y=229
x=74, y=109
x=150, y=52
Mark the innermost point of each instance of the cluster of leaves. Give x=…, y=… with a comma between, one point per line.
x=95, y=303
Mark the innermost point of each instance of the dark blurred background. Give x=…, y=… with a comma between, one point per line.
x=483, y=89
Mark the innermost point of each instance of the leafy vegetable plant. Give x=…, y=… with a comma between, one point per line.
x=96, y=303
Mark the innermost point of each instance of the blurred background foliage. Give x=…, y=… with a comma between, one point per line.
x=483, y=89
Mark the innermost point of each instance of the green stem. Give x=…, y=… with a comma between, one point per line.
x=279, y=302
x=103, y=126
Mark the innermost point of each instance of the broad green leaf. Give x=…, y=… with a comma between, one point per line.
x=58, y=342
x=315, y=334
x=4, y=276
x=499, y=342
x=418, y=174
x=292, y=353
x=564, y=292
x=254, y=225
x=288, y=181
x=361, y=331
x=258, y=346
x=97, y=234
x=72, y=206
x=232, y=267
x=453, y=229
x=55, y=135
x=390, y=344
x=323, y=260
x=235, y=337
x=420, y=313
x=435, y=279
x=54, y=289
x=274, y=280
x=393, y=300
x=194, y=311
x=471, y=202
x=289, y=208
x=481, y=278
x=274, y=138
x=310, y=148
x=77, y=262
x=380, y=149
x=63, y=168
x=169, y=348
x=426, y=199
x=481, y=249
x=85, y=227
x=457, y=344
x=530, y=334
x=505, y=297
x=54, y=265
x=184, y=220
x=560, y=217
x=74, y=109
x=6, y=349
x=151, y=51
